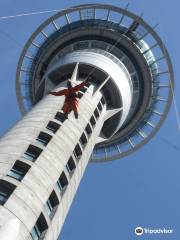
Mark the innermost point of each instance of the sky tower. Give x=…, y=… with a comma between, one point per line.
x=130, y=92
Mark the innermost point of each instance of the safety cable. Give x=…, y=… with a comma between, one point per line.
x=11, y=38
x=167, y=142
x=29, y=14
x=172, y=92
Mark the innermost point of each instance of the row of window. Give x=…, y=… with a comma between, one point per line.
x=20, y=169
x=51, y=205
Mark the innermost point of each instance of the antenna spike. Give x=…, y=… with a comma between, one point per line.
x=111, y=113
x=74, y=75
x=101, y=139
x=102, y=85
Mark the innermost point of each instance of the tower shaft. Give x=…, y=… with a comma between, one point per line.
x=42, y=177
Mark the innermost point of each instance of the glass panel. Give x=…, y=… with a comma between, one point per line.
x=77, y=153
x=29, y=156
x=47, y=208
x=60, y=117
x=49, y=205
x=51, y=129
x=35, y=233
x=88, y=129
x=58, y=186
x=87, y=14
x=43, y=138
x=68, y=168
x=6, y=189
x=92, y=121
x=3, y=197
x=83, y=139
x=99, y=106
x=62, y=182
x=70, y=165
x=53, y=126
x=32, y=153
x=61, y=185
x=16, y=174
x=96, y=113
x=41, y=141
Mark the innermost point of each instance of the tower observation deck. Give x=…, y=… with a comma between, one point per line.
x=44, y=156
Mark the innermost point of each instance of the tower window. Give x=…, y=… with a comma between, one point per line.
x=84, y=89
x=80, y=94
x=19, y=170
x=102, y=101
x=77, y=152
x=70, y=165
x=62, y=182
x=52, y=204
x=96, y=113
x=88, y=129
x=99, y=106
x=44, y=138
x=53, y=126
x=92, y=121
x=6, y=189
x=32, y=153
x=40, y=228
x=60, y=117
x=83, y=140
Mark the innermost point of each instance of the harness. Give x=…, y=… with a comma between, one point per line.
x=71, y=96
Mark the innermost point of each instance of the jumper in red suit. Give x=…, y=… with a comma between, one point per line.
x=71, y=98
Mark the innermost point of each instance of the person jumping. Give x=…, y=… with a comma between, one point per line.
x=71, y=98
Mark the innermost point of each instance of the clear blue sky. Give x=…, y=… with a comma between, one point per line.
x=113, y=198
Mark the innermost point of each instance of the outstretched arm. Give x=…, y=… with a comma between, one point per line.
x=81, y=85
x=59, y=93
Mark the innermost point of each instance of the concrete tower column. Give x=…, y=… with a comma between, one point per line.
x=43, y=158
x=29, y=197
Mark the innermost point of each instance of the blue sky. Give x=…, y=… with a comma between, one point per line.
x=139, y=190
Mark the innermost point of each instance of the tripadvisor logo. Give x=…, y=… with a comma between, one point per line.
x=139, y=231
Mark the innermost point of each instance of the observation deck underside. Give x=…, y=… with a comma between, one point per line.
x=106, y=41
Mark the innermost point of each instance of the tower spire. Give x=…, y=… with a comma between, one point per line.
x=73, y=79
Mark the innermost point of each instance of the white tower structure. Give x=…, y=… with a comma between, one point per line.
x=43, y=157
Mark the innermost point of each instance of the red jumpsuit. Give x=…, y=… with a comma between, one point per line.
x=71, y=98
